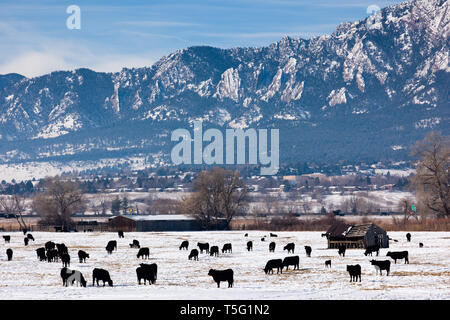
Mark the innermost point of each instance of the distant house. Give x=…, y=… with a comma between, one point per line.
x=161, y=222
x=356, y=236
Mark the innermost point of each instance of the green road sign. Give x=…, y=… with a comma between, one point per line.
x=413, y=207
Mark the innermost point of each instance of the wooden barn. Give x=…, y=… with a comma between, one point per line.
x=163, y=222
x=356, y=236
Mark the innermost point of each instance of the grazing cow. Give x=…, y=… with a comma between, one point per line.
x=273, y=235
x=398, y=255
x=112, y=244
x=327, y=263
x=144, y=253
x=222, y=275
x=9, y=253
x=52, y=255
x=135, y=244
x=341, y=250
x=355, y=272
x=193, y=254
x=272, y=247
x=120, y=233
x=250, y=246
x=70, y=276
x=65, y=259
x=420, y=245
x=370, y=249
x=25, y=240
x=308, y=251
x=184, y=245
x=203, y=246
x=103, y=275
x=152, y=267
x=61, y=247
x=323, y=235
x=7, y=239
x=289, y=247
x=274, y=263
x=30, y=236
x=50, y=245
x=214, y=251
x=263, y=239
x=109, y=249
x=381, y=265
x=82, y=255
x=24, y=231
x=246, y=235
x=408, y=237
x=146, y=274
x=40, y=252
x=291, y=261
x=227, y=247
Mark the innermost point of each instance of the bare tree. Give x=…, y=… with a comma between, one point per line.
x=14, y=205
x=59, y=200
x=217, y=194
x=432, y=178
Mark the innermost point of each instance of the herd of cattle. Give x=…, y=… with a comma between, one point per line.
x=55, y=252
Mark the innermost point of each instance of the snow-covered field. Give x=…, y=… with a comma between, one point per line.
x=426, y=277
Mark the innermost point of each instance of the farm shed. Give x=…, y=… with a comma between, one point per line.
x=163, y=222
x=356, y=236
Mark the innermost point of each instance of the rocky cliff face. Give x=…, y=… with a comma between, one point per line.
x=367, y=91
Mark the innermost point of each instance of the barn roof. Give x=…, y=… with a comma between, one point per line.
x=341, y=229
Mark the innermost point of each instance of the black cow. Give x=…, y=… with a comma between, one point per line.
x=146, y=274
x=65, y=274
x=273, y=235
x=263, y=239
x=408, y=237
x=381, y=265
x=40, y=252
x=184, y=245
x=420, y=245
x=52, y=255
x=291, y=261
x=327, y=263
x=61, y=247
x=289, y=247
x=227, y=248
x=112, y=244
x=9, y=253
x=70, y=276
x=355, y=272
x=120, y=233
x=152, y=267
x=203, y=246
x=371, y=249
x=341, y=250
x=272, y=247
x=274, y=263
x=103, y=275
x=193, y=254
x=214, y=251
x=144, y=253
x=246, y=235
x=82, y=255
x=25, y=240
x=222, y=275
x=135, y=244
x=398, y=255
x=30, y=236
x=308, y=251
x=49, y=245
x=7, y=239
x=250, y=246
x=65, y=259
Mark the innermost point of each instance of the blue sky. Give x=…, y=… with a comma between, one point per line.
x=34, y=39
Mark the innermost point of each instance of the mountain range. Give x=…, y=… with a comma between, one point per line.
x=366, y=92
